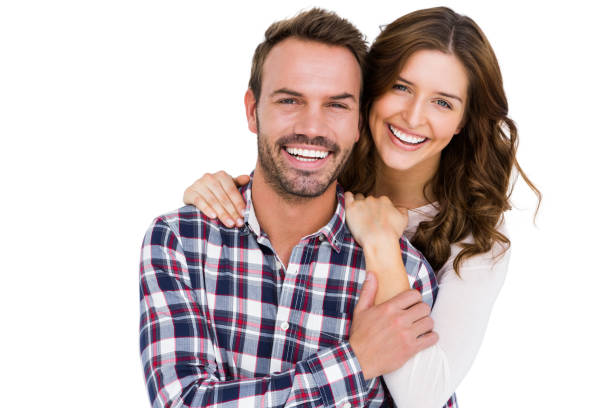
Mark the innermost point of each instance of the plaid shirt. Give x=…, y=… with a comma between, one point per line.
x=225, y=324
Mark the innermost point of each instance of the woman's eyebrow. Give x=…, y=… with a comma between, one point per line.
x=446, y=94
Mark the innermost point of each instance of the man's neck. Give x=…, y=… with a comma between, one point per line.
x=287, y=221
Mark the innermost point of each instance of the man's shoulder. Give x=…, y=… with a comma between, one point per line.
x=186, y=214
x=409, y=250
x=187, y=223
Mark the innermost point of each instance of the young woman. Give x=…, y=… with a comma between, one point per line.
x=439, y=143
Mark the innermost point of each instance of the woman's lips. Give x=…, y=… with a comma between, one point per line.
x=407, y=141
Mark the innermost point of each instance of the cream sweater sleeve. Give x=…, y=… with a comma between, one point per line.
x=460, y=314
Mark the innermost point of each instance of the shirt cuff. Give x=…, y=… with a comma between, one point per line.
x=338, y=375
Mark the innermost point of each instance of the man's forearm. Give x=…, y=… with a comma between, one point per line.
x=328, y=378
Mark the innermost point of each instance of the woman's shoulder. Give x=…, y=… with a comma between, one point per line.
x=494, y=259
x=418, y=215
x=490, y=264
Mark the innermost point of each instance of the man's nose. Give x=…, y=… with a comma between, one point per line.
x=311, y=122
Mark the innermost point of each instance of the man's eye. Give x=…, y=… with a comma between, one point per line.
x=443, y=103
x=287, y=101
x=338, y=105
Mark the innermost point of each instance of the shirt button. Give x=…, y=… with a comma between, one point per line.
x=347, y=405
x=320, y=240
x=284, y=326
x=278, y=264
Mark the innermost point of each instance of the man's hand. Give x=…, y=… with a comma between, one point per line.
x=385, y=336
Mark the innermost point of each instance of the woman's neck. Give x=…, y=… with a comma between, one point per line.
x=405, y=188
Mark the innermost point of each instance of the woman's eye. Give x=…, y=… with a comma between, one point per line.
x=400, y=87
x=443, y=103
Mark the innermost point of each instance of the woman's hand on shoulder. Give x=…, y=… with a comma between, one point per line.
x=217, y=195
x=372, y=219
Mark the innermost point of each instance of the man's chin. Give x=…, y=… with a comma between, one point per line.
x=305, y=188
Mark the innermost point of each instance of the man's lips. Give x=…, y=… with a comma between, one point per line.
x=307, y=153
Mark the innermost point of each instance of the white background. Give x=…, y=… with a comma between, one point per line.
x=109, y=109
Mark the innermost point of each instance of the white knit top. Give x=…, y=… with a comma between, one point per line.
x=460, y=313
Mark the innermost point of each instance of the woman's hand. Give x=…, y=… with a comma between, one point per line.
x=374, y=219
x=217, y=195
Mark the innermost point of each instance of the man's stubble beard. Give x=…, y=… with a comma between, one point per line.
x=303, y=185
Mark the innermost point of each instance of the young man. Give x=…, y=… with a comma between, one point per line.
x=261, y=315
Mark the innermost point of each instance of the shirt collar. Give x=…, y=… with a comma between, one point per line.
x=333, y=231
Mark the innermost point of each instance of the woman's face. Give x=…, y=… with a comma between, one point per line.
x=420, y=114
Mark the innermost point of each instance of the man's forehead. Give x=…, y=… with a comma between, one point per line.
x=311, y=66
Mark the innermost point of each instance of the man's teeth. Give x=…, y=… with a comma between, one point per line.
x=406, y=138
x=306, y=154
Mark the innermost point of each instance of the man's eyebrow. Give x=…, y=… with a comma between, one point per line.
x=438, y=92
x=286, y=91
x=345, y=95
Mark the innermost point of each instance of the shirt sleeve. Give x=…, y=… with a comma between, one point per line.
x=180, y=358
x=421, y=275
x=461, y=314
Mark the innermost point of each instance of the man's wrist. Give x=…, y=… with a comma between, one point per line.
x=338, y=375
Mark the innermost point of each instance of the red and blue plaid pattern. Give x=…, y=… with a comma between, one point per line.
x=225, y=324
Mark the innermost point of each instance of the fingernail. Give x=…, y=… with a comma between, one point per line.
x=228, y=222
x=213, y=215
x=239, y=222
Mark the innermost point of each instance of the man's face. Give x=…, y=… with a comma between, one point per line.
x=307, y=117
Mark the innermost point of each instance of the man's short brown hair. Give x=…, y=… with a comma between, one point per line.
x=313, y=25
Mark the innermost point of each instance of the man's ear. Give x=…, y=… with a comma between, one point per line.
x=251, y=110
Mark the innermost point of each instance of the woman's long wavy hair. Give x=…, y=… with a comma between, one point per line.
x=473, y=183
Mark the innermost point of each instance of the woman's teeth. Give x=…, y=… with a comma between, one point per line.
x=406, y=138
x=307, y=155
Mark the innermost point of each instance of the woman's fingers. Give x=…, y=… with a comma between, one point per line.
x=193, y=197
x=202, y=196
x=241, y=180
x=348, y=198
x=213, y=202
x=235, y=204
x=222, y=204
x=217, y=196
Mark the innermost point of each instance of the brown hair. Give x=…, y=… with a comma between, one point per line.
x=313, y=25
x=473, y=181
